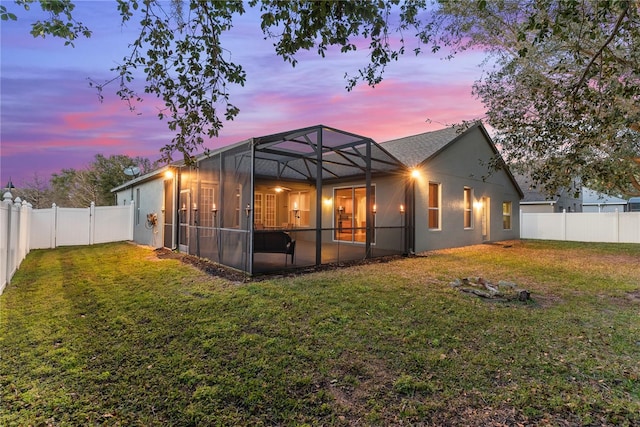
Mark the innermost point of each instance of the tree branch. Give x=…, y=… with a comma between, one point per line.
x=602, y=48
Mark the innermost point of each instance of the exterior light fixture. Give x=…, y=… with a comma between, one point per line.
x=415, y=173
x=9, y=186
x=248, y=209
x=374, y=209
x=401, y=209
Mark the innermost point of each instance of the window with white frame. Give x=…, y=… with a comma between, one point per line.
x=257, y=209
x=270, y=210
x=207, y=202
x=468, y=207
x=434, y=206
x=506, y=215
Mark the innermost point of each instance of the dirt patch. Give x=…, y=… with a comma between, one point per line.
x=634, y=296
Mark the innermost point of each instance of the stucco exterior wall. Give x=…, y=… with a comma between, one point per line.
x=148, y=197
x=464, y=164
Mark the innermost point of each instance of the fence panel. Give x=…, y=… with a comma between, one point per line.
x=547, y=226
x=612, y=227
x=629, y=228
x=592, y=227
x=14, y=236
x=43, y=225
x=112, y=224
x=73, y=226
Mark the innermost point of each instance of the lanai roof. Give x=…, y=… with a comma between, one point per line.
x=294, y=154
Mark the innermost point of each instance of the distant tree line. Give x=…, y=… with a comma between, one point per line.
x=76, y=188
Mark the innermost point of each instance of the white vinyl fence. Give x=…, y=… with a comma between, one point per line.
x=23, y=228
x=612, y=227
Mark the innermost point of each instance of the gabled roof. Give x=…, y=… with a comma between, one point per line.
x=415, y=149
x=419, y=149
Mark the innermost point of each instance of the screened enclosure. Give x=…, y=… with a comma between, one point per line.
x=294, y=199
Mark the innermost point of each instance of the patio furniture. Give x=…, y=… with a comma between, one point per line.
x=273, y=241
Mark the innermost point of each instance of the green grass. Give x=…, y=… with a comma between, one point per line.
x=110, y=335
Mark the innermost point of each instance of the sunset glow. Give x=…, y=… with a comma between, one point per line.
x=51, y=119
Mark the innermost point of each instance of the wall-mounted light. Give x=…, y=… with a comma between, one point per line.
x=248, y=210
x=9, y=186
x=195, y=207
x=184, y=207
x=374, y=209
x=327, y=201
x=415, y=173
x=168, y=174
x=401, y=209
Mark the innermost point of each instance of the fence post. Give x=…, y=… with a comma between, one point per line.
x=617, y=226
x=7, y=201
x=29, y=210
x=17, y=208
x=564, y=224
x=92, y=223
x=132, y=219
x=53, y=233
x=520, y=224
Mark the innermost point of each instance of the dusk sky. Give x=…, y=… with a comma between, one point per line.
x=51, y=119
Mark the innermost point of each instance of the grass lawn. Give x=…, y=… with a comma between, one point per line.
x=112, y=335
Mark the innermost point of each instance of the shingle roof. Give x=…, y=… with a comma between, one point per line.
x=412, y=150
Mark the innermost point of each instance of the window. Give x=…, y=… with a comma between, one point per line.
x=434, y=206
x=257, y=209
x=270, y=210
x=468, y=207
x=207, y=201
x=506, y=215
